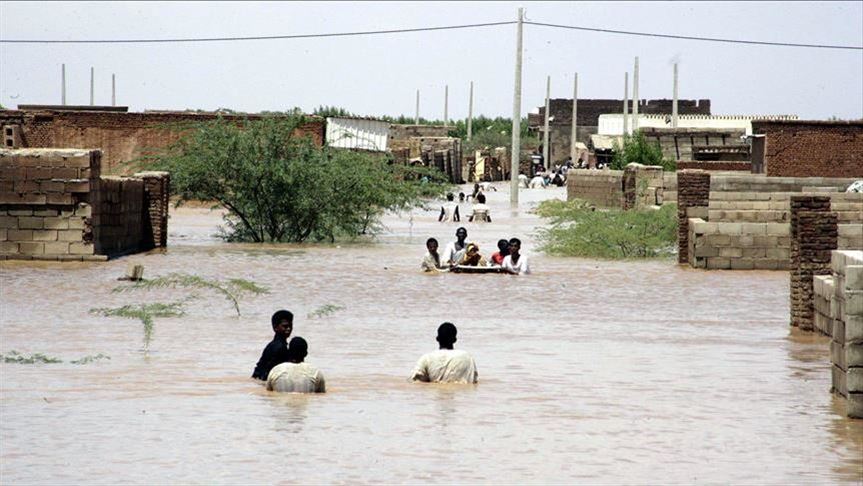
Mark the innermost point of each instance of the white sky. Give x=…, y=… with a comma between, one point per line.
x=375, y=75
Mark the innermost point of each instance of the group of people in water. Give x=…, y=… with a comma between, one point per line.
x=283, y=368
x=461, y=253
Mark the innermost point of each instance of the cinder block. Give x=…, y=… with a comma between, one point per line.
x=25, y=222
x=8, y=247
x=731, y=228
x=854, y=380
x=57, y=248
x=854, y=277
x=854, y=405
x=78, y=186
x=81, y=248
x=778, y=229
x=754, y=228
x=31, y=248
x=84, y=209
x=718, y=263
x=59, y=198
x=853, y=303
x=853, y=354
x=45, y=235
x=20, y=235
x=56, y=223
x=76, y=222
x=742, y=264
x=4, y=234
x=63, y=173
x=8, y=222
x=732, y=252
x=70, y=235
x=837, y=355
x=778, y=253
x=839, y=380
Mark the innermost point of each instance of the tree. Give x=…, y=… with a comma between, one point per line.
x=636, y=148
x=278, y=186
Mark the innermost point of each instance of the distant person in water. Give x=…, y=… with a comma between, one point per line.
x=295, y=376
x=277, y=350
x=432, y=261
x=480, y=210
x=515, y=263
x=449, y=210
x=454, y=250
x=501, y=253
x=446, y=365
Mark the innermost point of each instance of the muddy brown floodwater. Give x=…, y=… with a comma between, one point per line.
x=635, y=372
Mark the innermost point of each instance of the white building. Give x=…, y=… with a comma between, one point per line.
x=358, y=133
x=612, y=124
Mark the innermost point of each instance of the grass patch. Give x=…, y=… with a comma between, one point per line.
x=578, y=229
x=145, y=313
x=324, y=310
x=39, y=358
x=232, y=289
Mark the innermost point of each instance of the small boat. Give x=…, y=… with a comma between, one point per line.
x=470, y=269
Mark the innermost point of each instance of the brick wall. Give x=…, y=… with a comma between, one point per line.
x=55, y=206
x=120, y=136
x=590, y=109
x=693, y=195
x=403, y=132
x=799, y=148
x=814, y=231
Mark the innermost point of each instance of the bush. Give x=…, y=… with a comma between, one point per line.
x=277, y=186
x=578, y=229
x=636, y=148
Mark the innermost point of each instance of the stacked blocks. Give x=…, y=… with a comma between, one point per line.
x=693, y=196
x=814, y=231
x=603, y=188
x=846, y=349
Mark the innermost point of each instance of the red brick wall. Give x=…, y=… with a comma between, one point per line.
x=812, y=148
x=693, y=190
x=120, y=136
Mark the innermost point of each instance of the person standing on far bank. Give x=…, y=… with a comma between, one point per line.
x=446, y=365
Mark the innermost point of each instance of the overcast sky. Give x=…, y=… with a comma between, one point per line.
x=379, y=74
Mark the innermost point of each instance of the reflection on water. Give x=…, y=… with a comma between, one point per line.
x=595, y=371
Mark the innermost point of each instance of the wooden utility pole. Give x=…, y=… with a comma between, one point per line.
x=515, y=157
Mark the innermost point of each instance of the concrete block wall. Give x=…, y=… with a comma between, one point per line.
x=642, y=186
x=846, y=348
x=823, y=290
x=604, y=188
x=738, y=246
x=55, y=206
x=760, y=183
x=45, y=206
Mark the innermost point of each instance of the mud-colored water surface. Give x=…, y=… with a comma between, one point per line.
x=592, y=371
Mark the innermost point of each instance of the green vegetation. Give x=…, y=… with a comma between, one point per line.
x=636, y=148
x=145, y=313
x=39, y=358
x=278, y=186
x=324, y=310
x=578, y=229
x=232, y=289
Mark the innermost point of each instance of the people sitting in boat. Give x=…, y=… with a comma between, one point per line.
x=449, y=210
x=296, y=376
x=515, y=263
x=432, y=260
x=480, y=210
x=454, y=250
x=446, y=365
x=502, y=251
x=472, y=257
x=277, y=350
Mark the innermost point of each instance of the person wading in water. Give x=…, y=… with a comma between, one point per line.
x=453, y=251
x=277, y=350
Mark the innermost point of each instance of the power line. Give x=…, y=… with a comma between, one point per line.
x=686, y=37
x=420, y=29
x=252, y=38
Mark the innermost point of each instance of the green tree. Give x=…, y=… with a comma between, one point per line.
x=636, y=148
x=278, y=186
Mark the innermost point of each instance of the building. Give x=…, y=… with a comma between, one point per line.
x=807, y=148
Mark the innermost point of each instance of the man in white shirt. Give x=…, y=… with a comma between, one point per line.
x=449, y=210
x=480, y=211
x=295, y=376
x=446, y=365
x=455, y=249
x=515, y=263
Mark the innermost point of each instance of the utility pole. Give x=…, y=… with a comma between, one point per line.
x=573, y=138
x=91, y=85
x=515, y=157
x=635, y=99
x=545, y=149
x=417, y=117
x=674, y=101
x=446, y=105
x=470, y=113
x=63, y=87
x=113, y=90
x=625, y=103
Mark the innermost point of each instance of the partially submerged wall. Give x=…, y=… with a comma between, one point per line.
x=603, y=188
x=55, y=206
x=846, y=348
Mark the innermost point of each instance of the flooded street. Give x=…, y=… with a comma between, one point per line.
x=593, y=371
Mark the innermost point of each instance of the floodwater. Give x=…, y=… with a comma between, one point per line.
x=591, y=371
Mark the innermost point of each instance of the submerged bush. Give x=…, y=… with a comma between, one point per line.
x=637, y=149
x=578, y=229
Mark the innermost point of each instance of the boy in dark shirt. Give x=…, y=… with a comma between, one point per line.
x=276, y=351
